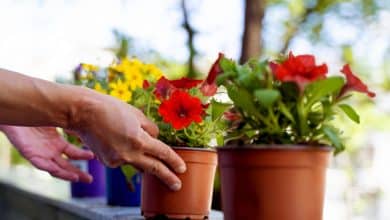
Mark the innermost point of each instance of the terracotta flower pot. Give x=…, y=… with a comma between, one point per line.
x=273, y=182
x=193, y=201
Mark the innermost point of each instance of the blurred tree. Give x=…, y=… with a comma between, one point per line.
x=305, y=16
x=190, y=31
x=123, y=44
x=251, y=40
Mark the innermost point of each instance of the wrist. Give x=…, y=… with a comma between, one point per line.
x=81, y=108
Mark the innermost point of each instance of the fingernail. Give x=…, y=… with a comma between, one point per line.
x=176, y=186
x=181, y=169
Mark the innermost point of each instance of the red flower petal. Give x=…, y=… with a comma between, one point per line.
x=354, y=83
x=300, y=69
x=231, y=116
x=209, y=87
x=145, y=84
x=181, y=109
x=163, y=88
x=185, y=83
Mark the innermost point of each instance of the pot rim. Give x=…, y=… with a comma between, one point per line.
x=277, y=147
x=209, y=149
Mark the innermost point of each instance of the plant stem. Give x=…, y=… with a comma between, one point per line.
x=302, y=117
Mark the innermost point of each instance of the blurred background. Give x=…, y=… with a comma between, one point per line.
x=48, y=39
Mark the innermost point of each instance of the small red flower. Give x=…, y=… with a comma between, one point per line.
x=163, y=88
x=185, y=83
x=300, y=69
x=209, y=87
x=231, y=115
x=354, y=83
x=145, y=84
x=181, y=109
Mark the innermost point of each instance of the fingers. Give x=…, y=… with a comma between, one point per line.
x=66, y=166
x=162, y=151
x=76, y=153
x=157, y=168
x=52, y=168
x=150, y=127
x=147, y=124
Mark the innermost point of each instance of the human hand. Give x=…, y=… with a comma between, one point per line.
x=121, y=134
x=44, y=147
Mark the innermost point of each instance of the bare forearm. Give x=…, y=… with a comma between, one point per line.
x=28, y=101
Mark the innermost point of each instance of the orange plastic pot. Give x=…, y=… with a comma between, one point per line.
x=193, y=201
x=273, y=182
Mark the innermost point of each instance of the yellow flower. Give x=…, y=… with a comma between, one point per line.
x=134, y=79
x=153, y=71
x=98, y=87
x=135, y=72
x=89, y=67
x=120, y=90
x=126, y=65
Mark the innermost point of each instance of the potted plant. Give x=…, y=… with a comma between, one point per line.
x=124, y=80
x=280, y=135
x=188, y=119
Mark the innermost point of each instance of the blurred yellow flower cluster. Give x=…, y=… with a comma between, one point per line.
x=122, y=78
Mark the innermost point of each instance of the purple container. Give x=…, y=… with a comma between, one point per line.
x=98, y=186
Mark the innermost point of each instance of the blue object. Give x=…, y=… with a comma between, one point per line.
x=119, y=192
x=98, y=186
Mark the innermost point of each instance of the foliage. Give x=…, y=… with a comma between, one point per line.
x=287, y=101
x=185, y=115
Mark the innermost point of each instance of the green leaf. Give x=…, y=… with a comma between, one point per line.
x=227, y=65
x=258, y=68
x=333, y=135
x=218, y=108
x=220, y=140
x=221, y=78
x=319, y=89
x=350, y=112
x=286, y=112
x=248, y=81
x=243, y=69
x=129, y=171
x=242, y=99
x=267, y=97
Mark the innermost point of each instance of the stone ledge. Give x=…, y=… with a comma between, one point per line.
x=24, y=195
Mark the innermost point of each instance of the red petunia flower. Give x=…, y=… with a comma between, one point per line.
x=354, y=83
x=185, y=83
x=209, y=86
x=181, y=109
x=300, y=69
x=163, y=88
